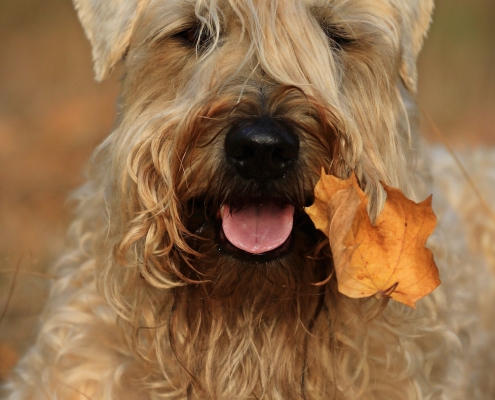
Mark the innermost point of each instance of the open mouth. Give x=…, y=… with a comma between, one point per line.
x=260, y=230
x=254, y=230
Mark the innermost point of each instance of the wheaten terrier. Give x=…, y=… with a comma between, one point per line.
x=226, y=105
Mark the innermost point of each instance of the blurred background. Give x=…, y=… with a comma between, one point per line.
x=52, y=114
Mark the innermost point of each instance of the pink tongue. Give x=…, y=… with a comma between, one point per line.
x=259, y=227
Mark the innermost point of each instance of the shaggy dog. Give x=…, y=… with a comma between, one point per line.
x=192, y=266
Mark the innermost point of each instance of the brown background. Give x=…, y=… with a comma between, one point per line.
x=52, y=114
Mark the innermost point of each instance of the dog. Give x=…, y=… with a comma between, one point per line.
x=192, y=269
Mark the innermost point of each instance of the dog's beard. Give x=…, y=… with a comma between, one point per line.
x=252, y=315
x=249, y=306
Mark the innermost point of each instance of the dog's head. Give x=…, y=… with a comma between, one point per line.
x=229, y=111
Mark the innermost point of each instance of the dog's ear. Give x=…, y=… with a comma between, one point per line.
x=415, y=18
x=108, y=25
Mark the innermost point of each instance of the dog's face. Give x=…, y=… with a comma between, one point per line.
x=229, y=111
x=233, y=108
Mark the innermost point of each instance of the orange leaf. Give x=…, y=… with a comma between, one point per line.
x=385, y=259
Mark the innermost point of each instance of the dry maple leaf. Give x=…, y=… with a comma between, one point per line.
x=385, y=259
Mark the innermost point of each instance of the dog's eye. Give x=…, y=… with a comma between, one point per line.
x=339, y=37
x=199, y=36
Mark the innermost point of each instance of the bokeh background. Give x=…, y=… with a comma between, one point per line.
x=52, y=114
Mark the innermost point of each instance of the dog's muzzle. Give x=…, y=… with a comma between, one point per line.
x=262, y=150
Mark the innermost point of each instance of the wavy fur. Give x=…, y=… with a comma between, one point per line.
x=146, y=306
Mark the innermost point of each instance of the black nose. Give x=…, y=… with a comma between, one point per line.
x=263, y=149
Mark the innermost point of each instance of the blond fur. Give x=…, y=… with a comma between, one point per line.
x=144, y=309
